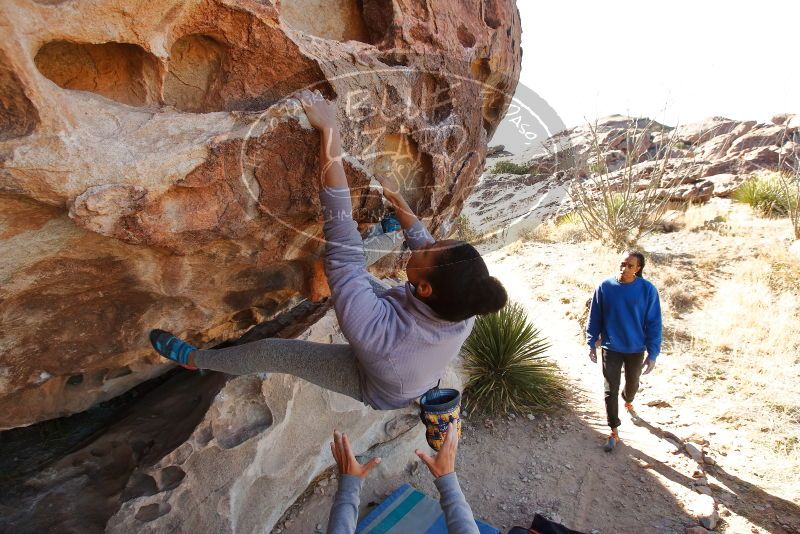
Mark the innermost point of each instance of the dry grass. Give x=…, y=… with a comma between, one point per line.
x=560, y=231
x=515, y=248
x=750, y=332
x=696, y=217
x=739, y=324
x=730, y=295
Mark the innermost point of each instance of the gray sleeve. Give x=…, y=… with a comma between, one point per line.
x=363, y=317
x=378, y=287
x=344, y=512
x=417, y=236
x=457, y=512
x=378, y=246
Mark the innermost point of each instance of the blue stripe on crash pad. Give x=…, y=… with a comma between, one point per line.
x=371, y=517
x=398, y=513
x=407, y=508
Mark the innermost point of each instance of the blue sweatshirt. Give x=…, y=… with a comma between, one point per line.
x=626, y=317
x=457, y=513
x=401, y=345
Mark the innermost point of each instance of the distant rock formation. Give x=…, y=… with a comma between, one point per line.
x=153, y=174
x=706, y=159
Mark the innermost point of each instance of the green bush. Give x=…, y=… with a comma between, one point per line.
x=509, y=167
x=767, y=195
x=506, y=366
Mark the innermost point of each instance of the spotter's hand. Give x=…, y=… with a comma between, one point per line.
x=346, y=460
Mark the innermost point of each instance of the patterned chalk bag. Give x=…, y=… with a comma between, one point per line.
x=438, y=407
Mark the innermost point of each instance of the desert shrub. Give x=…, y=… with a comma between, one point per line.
x=767, y=194
x=567, y=228
x=506, y=365
x=464, y=230
x=619, y=208
x=528, y=234
x=789, y=179
x=509, y=167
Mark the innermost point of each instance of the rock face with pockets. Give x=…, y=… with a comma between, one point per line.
x=154, y=172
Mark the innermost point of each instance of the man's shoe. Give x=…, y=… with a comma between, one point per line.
x=612, y=441
x=629, y=406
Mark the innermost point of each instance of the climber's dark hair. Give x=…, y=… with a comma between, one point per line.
x=461, y=285
x=639, y=256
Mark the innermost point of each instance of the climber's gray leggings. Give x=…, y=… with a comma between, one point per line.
x=329, y=366
x=332, y=367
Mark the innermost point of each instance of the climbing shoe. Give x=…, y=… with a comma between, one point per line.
x=171, y=347
x=612, y=441
x=390, y=224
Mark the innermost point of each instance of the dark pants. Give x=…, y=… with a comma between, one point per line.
x=613, y=363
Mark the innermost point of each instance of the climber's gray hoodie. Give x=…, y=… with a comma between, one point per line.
x=402, y=346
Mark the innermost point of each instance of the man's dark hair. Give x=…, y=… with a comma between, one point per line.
x=640, y=257
x=461, y=285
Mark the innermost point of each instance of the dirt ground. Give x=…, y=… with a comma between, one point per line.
x=715, y=398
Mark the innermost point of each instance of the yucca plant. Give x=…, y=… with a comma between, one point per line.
x=768, y=194
x=506, y=366
x=569, y=218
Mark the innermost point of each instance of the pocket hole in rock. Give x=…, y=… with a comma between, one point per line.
x=123, y=72
x=481, y=69
x=490, y=14
x=113, y=374
x=194, y=78
x=139, y=485
x=378, y=18
x=435, y=100
x=465, y=37
x=250, y=420
x=18, y=115
x=170, y=477
x=340, y=20
x=394, y=59
x=75, y=380
x=413, y=170
x=152, y=511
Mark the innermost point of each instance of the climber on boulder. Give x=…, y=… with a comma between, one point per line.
x=400, y=339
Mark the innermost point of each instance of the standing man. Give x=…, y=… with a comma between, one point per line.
x=625, y=320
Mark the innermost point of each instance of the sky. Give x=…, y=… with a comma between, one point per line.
x=677, y=62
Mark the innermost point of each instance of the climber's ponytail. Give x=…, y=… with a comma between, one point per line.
x=489, y=296
x=461, y=286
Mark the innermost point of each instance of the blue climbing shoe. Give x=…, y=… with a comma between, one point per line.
x=171, y=347
x=390, y=224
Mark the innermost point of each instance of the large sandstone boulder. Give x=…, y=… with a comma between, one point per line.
x=153, y=171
